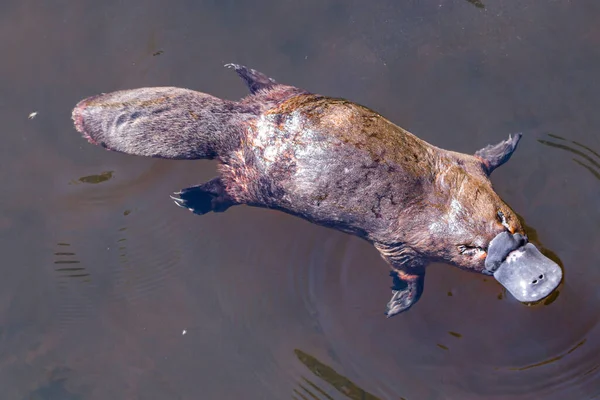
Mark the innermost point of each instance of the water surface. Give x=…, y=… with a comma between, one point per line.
x=110, y=291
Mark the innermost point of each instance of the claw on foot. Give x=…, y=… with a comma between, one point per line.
x=255, y=80
x=178, y=201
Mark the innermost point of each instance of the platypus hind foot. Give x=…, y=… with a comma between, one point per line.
x=254, y=80
x=405, y=292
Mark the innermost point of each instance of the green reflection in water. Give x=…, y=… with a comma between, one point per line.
x=477, y=3
x=342, y=384
x=94, y=179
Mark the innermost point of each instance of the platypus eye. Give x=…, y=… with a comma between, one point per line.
x=501, y=217
x=470, y=250
x=502, y=220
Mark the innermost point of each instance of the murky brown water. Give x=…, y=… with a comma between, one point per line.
x=103, y=275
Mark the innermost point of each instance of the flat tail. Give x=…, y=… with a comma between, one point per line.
x=164, y=122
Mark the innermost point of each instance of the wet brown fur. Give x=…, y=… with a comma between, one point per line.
x=426, y=178
x=330, y=161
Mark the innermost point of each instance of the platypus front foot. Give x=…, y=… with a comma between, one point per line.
x=209, y=196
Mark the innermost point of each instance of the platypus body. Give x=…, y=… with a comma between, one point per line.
x=336, y=164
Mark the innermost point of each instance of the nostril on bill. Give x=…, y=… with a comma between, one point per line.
x=527, y=274
x=538, y=279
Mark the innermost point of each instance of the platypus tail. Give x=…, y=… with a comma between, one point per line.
x=165, y=122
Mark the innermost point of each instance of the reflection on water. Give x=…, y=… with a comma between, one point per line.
x=142, y=271
x=73, y=280
x=455, y=335
x=67, y=258
x=477, y=3
x=329, y=375
x=551, y=360
x=502, y=294
x=592, y=157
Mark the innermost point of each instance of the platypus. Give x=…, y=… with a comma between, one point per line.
x=337, y=164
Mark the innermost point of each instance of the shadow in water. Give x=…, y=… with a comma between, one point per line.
x=55, y=387
x=310, y=390
x=590, y=159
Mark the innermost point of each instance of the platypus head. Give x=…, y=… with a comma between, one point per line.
x=475, y=230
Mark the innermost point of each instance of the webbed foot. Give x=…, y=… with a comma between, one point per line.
x=406, y=291
x=254, y=80
x=209, y=196
x=495, y=155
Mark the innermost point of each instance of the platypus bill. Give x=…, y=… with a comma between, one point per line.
x=336, y=164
